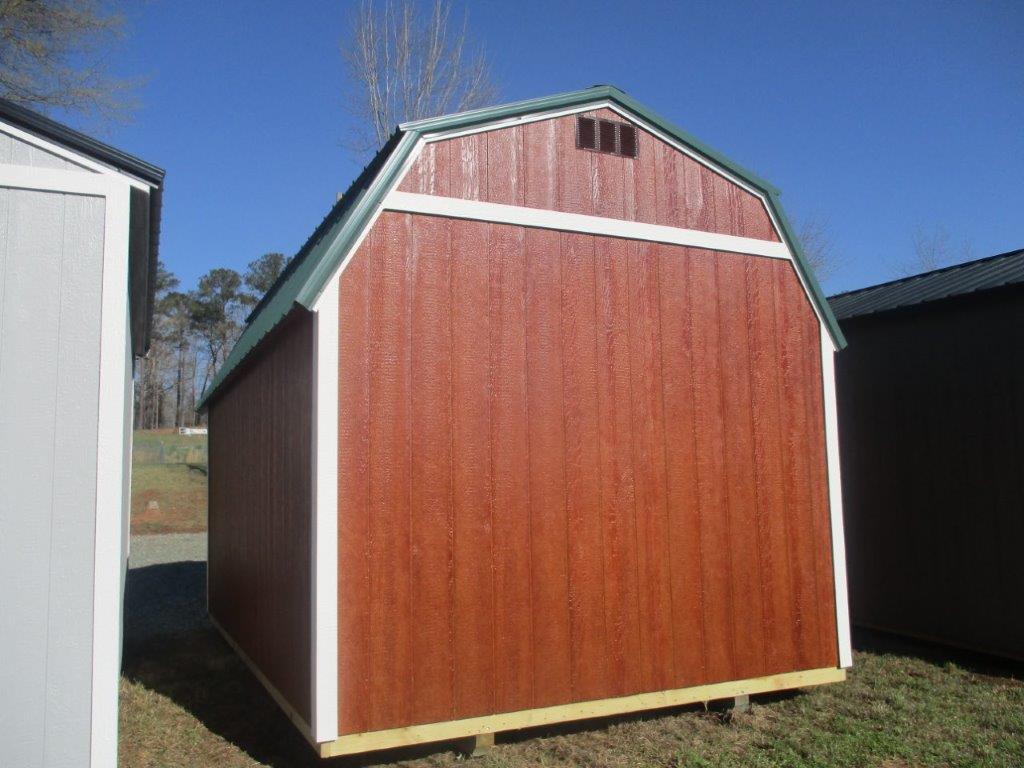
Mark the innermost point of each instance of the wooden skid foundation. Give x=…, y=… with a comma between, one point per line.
x=488, y=725
x=512, y=721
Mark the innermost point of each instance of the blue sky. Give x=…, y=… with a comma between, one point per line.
x=881, y=118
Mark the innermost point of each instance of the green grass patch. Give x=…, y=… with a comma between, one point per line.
x=185, y=707
x=168, y=482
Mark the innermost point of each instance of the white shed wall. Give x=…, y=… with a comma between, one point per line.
x=65, y=424
x=51, y=267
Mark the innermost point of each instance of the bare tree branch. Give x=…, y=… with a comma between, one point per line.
x=815, y=236
x=41, y=45
x=933, y=249
x=406, y=66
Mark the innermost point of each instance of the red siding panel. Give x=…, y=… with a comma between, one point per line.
x=390, y=457
x=618, y=502
x=583, y=467
x=354, y=389
x=549, y=525
x=431, y=523
x=474, y=603
x=795, y=440
x=537, y=164
x=681, y=469
x=260, y=520
x=652, y=531
x=772, y=528
x=572, y=468
x=748, y=616
x=510, y=464
x=716, y=554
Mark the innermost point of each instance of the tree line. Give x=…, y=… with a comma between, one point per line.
x=193, y=331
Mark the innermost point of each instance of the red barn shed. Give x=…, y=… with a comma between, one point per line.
x=538, y=425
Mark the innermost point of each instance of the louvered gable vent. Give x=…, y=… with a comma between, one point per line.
x=607, y=136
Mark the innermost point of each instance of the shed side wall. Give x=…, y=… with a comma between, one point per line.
x=572, y=468
x=931, y=407
x=260, y=510
x=537, y=165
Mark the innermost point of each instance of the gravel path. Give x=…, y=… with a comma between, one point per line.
x=165, y=593
x=167, y=548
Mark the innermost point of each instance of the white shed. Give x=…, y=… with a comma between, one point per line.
x=78, y=243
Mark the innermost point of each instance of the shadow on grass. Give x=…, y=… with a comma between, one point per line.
x=982, y=664
x=171, y=648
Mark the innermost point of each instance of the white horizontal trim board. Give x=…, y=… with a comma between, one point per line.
x=55, y=180
x=477, y=210
x=627, y=115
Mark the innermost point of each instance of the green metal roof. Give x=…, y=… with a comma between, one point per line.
x=308, y=272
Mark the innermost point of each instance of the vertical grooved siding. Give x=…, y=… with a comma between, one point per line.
x=261, y=513
x=538, y=165
x=571, y=467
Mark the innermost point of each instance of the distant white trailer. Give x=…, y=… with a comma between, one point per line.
x=192, y=430
x=78, y=247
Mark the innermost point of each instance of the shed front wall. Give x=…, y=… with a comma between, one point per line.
x=572, y=468
x=260, y=488
x=51, y=268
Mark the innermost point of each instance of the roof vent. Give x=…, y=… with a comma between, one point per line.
x=607, y=136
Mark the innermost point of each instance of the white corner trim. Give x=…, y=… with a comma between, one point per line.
x=87, y=164
x=324, y=633
x=106, y=609
x=835, y=498
x=434, y=205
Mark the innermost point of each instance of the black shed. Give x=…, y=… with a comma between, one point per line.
x=931, y=426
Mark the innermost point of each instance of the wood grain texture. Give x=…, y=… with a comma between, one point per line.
x=590, y=470
x=472, y=476
x=549, y=527
x=260, y=510
x=538, y=165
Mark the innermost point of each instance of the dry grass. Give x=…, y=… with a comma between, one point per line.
x=191, y=703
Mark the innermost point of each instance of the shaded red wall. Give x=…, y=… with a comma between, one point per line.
x=572, y=468
x=538, y=165
x=260, y=509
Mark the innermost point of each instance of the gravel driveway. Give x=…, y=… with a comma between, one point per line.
x=165, y=592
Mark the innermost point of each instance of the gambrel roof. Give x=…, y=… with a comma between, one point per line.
x=317, y=261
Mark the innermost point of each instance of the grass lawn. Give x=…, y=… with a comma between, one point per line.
x=192, y=703
x=168, y=482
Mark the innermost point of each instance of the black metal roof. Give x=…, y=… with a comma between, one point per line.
x=969, y=277
x=79, y=142
x=145, y=209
